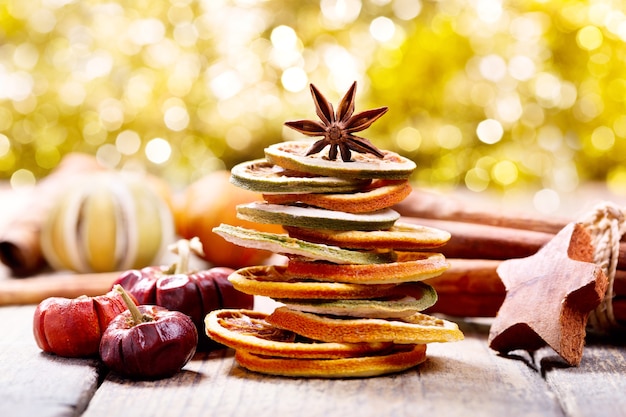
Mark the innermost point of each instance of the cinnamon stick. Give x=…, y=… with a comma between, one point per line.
x=36, y=289
x=480, y=241
x=469, y=288
x=20, y=250
x=429, y=205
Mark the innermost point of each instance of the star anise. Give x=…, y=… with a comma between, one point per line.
x=338, y=129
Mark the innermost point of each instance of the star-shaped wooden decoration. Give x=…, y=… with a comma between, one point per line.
x=549, y=297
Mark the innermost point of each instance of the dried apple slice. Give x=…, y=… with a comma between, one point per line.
x=292, y=155
x=415, y=329
x=262, y=176
x=398, y=359
x=379, y=195
x=311, y=217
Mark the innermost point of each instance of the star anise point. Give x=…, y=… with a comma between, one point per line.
x=337, y=128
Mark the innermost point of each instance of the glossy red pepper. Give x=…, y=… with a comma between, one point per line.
x=73, y=327
x=195, y=293
x=148, y=342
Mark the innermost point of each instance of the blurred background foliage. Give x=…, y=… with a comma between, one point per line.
x=483, y=94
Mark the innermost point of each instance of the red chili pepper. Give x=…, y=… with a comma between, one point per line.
x=195, y=293
x=73, y=327
x=147, y=341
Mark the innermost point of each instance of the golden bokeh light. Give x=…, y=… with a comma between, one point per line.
x=489, y=94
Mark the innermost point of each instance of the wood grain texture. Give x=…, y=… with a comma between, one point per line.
x=596, y=387
x=33, y=383
x=458, y=379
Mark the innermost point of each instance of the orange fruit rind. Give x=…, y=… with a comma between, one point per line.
x=247, y=330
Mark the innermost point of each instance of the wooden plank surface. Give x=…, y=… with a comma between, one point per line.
x=596, y=387
x=463, y=378
x=459, y=379
x=36, y=384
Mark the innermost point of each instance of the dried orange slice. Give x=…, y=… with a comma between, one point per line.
x=316, y=218
x=271, y=281
x=417, y=328
x=379, y=195
x=410, y=266
x=283, y=244
x=400, y=358
x=401, y=236
x=262, y=176
x=248, y=330
x=292, y=155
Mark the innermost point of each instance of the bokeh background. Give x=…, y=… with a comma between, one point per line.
x=485, y=95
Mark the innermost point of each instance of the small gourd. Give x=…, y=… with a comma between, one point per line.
x=210, y=201
x=108, y=221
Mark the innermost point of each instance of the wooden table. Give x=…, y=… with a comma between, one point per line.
x=459, y=379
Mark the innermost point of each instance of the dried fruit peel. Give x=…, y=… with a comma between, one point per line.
x=247, y=330
x=311, y=217
x=261, y=176
x=368, y=308
x=397, y=360
x=290, y=155
x=283, y=244
x=401, y=236
x=418, y=328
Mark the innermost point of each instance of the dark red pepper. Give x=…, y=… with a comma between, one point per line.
x=73, y=327
x=148, y=342
x=195, y=293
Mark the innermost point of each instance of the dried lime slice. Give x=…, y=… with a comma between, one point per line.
x=421, y=297
x=262, y=176
x=283, y=244
x=315, y=218
x=292, y=155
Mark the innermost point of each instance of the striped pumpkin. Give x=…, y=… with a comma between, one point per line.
x=107, y=221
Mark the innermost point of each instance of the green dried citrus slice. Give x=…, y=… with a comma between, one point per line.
x=401, y=236
x=291, y=155
x=312, y=217
x=399, y=358
x=419, y=297
x=379, y=195
x=264, y=177
x=248, y=330
x=283, y=244
x=417, y=328
x=271, y=281
x=410, y=267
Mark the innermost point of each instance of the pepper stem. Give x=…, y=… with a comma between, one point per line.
x=184, y=248
x=132, y=307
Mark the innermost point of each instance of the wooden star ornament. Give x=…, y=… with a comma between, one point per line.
x=549, y=297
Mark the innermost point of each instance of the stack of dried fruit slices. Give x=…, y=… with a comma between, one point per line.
x=352, y=290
